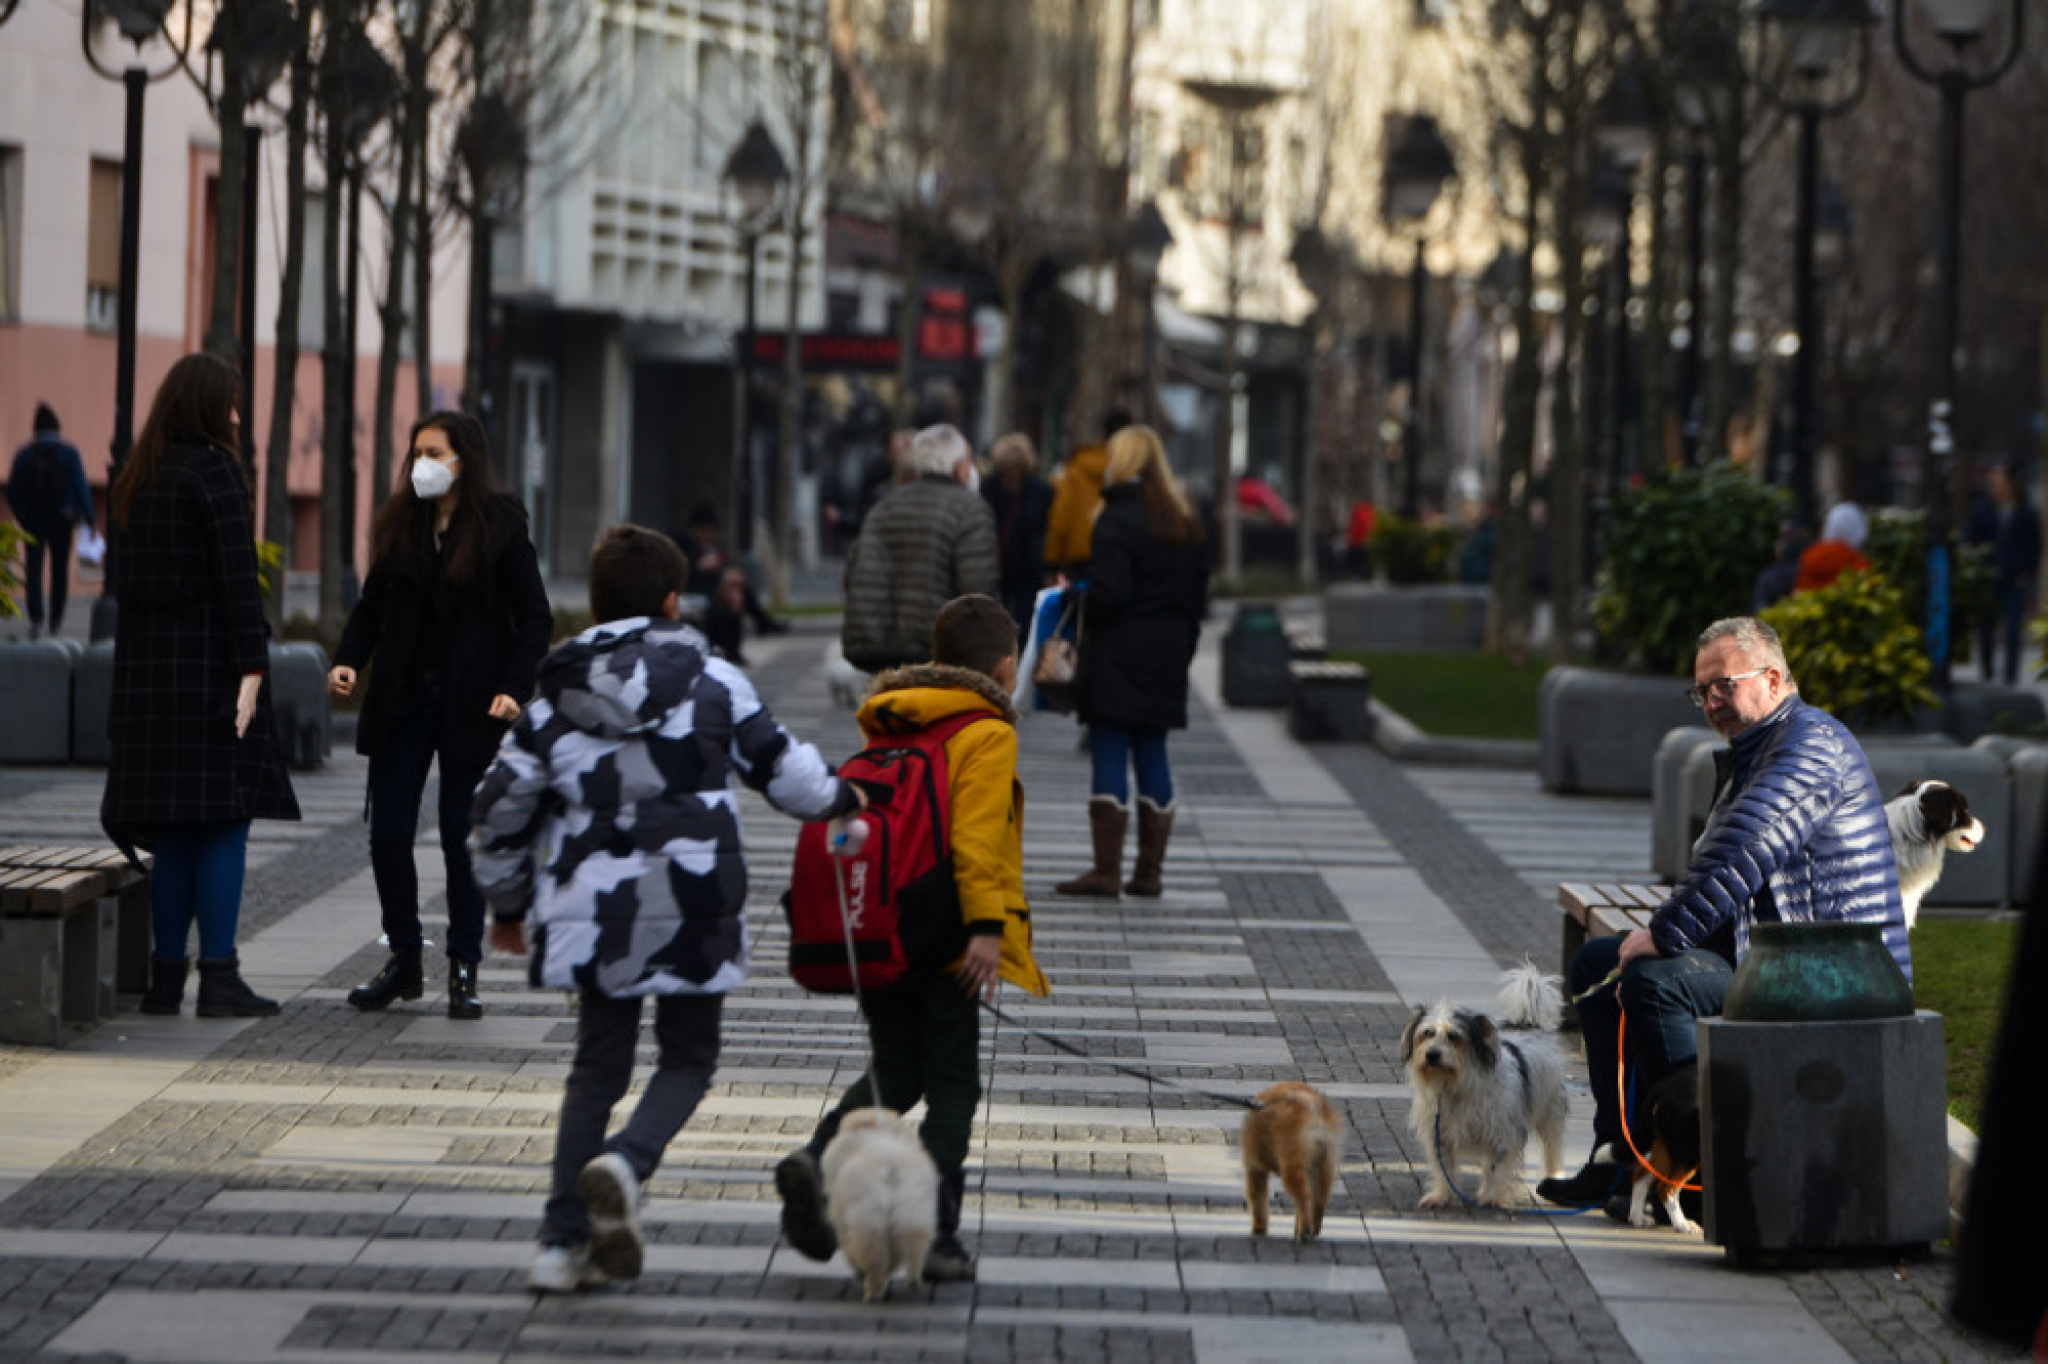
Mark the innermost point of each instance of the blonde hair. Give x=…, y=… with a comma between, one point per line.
x=1013, y=451
x=1137, y=455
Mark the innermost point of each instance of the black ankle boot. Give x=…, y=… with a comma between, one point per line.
x=462, y=1000
x=400, y=979
x=948, y=1261
x=166, y=993
x=223, y=993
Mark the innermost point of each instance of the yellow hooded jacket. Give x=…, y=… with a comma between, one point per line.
x=1076, y=497
x=987, y=800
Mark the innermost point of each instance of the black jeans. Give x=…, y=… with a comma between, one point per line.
x=57, y=547
x=398, y=779
x=1664, y=997
x=927, y=1042
x=607, y=1031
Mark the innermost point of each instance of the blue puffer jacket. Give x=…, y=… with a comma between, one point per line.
x=1803, y=821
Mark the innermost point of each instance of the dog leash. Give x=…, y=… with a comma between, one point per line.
x=1621, y=1050
x=1134, y=1072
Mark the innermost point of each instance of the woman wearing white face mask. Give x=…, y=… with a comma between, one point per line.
x=455, y=618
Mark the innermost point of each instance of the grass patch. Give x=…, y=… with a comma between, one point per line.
x=1960, y=968
x=1457, y=695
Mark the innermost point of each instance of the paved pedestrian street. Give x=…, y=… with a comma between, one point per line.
x=328, y=1186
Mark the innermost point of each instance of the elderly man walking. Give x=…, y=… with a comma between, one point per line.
x=1796, y=833
x=929, y=541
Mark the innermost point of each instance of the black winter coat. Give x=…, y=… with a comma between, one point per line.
x=495, y=629
x=1145, y=603
x=191, y=627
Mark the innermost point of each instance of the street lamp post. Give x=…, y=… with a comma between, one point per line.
x=1705, y=71
x=1146, y=237
x=1944, y=478
x=1417, y=168
x=1817, y=37
x=139, y=22
x=756, y=173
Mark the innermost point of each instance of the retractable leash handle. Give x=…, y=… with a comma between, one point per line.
x=848, y=836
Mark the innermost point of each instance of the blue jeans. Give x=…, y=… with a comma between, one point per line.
x=607, y=1031
x=57, y=547
x=198, y=874
x=398, y=779
x=1112, y=750
x=1663, y=997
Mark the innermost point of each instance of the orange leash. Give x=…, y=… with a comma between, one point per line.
x=1621, y=1097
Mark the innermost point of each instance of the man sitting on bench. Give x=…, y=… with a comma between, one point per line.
x=1796, y=832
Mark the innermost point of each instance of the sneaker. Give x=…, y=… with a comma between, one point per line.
x=802, y=1186
x=564, y=1269
x=1593, y=1184
x=611, y=1195
x=948, y=1261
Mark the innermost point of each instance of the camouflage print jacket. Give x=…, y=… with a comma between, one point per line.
x=609, y=812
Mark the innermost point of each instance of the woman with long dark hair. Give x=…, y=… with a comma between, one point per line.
x=192, y=753
x=1148, y=591
x=455, y=618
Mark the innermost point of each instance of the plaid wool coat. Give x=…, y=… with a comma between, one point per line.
x=191, y=625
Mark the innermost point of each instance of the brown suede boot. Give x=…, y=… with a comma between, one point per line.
x=1107, y=822
x=1155, y=827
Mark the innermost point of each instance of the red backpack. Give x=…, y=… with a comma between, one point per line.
x=900, y=893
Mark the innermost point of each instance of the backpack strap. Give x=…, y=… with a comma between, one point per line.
x=935, y=736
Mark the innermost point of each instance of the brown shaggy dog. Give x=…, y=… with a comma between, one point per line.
x=1296, y=1134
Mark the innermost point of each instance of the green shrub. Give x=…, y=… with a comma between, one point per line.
x=1410, y=552
x=1855, y=650
x=1680, y=551
x=11, y=537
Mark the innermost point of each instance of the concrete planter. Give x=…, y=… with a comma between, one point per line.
x=1597, y=733
x=1406, y=619
x=35, y=677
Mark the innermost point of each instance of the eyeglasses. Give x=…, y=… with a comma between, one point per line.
x=1723, y=687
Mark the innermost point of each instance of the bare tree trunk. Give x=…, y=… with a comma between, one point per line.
x=277, y=497
x=1652, y=449
x=227, y=225
x=411, y=136
x=1727, y=243
x=422, y=228
x=1568, y=470
x=787, y=435
x=908, y=262
x=1512, y=597
x=336, y=411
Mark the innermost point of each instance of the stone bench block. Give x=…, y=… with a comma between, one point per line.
x=1597, y=732
x=299, y=699
x=35, y=677
x=1406, y=619
x=58, y=952
x=1976, y=709
x=2027, y=766
x=1983, y=877
x=92, y=692
x=1824, y=1137
x=1680, y=795
x=1329, y=701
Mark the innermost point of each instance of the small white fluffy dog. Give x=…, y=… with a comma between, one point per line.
x=1473, y=1092
x=882, y=1197
x=1928, y=820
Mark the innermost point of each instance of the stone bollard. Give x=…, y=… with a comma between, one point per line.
x=35, y=677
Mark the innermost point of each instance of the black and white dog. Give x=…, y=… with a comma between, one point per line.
x=1927, y=820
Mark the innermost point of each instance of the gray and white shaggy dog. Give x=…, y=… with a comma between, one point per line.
x=1474, y=1093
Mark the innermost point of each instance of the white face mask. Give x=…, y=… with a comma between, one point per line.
x=431, y=479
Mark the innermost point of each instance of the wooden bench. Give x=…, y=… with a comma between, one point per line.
x=1602, y=909
x=74, y=931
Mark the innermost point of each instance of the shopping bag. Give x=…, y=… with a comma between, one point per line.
x=92, y=547
x=1057, y=671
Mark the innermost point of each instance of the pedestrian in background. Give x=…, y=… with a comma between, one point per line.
x=1148, y=591
x=192, y=750
x=931, y=540
x=1839, y=549
x=1020, y=501
x=2007, y=526
x=455, y=618
x=634, y=876
x=1076, y=497
x=47, y=491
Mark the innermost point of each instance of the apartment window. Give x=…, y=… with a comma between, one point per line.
x=103, y=247
x=10, y=233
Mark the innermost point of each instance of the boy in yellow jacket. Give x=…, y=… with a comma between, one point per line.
x=926, y=1032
